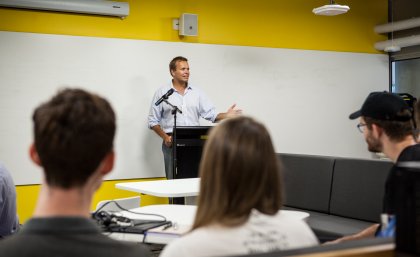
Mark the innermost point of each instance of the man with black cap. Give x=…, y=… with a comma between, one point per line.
x=386, y=122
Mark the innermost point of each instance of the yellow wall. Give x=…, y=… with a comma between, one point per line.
x=265, y=23
x=27, y=196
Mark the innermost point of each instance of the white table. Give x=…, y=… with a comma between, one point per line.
x=164, y=188
x=182, y=215
x=187, y=187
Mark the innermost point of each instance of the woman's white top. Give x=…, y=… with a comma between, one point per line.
x=261, y=233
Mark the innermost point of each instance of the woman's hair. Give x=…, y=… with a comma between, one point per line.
x=239, y=172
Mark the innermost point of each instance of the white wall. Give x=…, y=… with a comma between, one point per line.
x=304, y=97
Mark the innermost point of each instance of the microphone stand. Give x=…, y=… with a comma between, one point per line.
x=175, y=109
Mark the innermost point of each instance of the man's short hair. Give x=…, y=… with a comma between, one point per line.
x=396, y=130
x=172, y=64
x=73, y=132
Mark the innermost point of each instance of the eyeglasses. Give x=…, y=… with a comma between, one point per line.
x=361, y=127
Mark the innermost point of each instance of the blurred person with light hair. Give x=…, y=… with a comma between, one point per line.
x=240, y=198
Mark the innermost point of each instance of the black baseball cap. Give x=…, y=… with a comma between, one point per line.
x=383, y=106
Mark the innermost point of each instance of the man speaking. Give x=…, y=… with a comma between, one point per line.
x=191, y=101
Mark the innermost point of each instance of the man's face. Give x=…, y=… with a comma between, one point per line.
x=182, y=72
x=371, y=138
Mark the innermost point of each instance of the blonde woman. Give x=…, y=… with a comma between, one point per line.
x=240, y=197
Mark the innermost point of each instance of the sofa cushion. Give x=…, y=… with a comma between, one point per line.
x=307, y=181
x=358, y=188
x=330, y=227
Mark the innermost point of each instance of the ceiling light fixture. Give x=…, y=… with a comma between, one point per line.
x=392, y=48
x=331, y=9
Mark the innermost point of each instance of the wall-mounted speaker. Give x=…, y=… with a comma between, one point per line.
x=188, y=24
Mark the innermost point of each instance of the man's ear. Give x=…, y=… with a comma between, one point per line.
x=107, y=163
x=34, y=155
x=376, y=130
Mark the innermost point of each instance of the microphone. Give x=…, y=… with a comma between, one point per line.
x=165, y=96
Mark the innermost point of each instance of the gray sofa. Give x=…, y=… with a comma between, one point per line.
x=342, y=195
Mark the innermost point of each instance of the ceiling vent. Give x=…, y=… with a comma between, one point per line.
x=97, y=7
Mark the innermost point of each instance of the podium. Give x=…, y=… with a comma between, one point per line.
x=189, y=146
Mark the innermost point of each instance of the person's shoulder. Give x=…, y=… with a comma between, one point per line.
x=187, y=244
x=10, y=245
x=134, y=250
x=6, y=180
x=410, y=153
x=3, y=169
x=282, y=220
x=175, y=248
x=416, y=147
x=114, y=243
x=123, y=248
x=163, y=89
